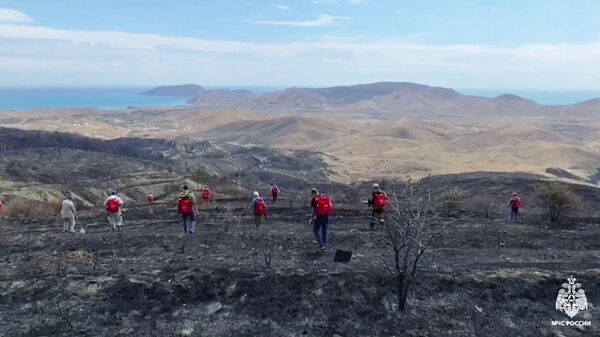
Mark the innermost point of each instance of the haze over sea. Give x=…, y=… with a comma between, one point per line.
x=545, y=97
x=99, y=98
x=24, y=99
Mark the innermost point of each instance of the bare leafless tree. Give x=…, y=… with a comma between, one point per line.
x=60, y=313
x=180, y=251
x=228, y=217
x=413, y=225
x=96, y=255
x=268, y=255
x=60, y=268
x=484, y=205
x=268, y=248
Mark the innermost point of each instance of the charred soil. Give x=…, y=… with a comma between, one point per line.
x=485, y=278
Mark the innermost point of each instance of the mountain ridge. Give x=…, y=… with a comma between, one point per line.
x=385, y=99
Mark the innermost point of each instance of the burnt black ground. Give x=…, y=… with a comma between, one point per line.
x=144, y=284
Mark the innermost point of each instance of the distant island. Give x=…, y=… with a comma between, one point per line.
x=183, y=90
x=199, y=96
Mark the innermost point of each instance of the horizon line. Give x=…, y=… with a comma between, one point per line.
x=234, y=86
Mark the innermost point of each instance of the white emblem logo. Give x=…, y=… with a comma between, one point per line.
x=571, y=298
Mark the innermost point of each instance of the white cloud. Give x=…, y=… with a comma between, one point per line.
x=37, y=55
x=14, y=16
x=119, y=39
x=321, y=21
x=282, y=7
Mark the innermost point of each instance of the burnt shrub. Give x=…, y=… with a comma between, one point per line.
x=32, y=209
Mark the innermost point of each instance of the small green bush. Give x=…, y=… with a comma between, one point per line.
x=556, y=198
x=453, y=200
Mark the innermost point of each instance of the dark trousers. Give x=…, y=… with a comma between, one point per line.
x=514, y=214
x=274, y=197
x=376, y=215
x=189, y=222
x=257, y=218
x=320, y=228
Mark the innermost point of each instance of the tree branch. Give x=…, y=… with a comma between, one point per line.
x=172, y=259
x=387, y=266
x=60, y=313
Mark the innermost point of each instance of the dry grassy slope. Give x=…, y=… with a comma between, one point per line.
x=284, y=132
x=359, y=146
x=420, y=147
x=294, y=98
x=88, y=122
x=199, y=120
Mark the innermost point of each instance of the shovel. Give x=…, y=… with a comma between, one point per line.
x=81, y=229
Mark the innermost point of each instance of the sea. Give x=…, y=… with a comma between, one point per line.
x=545, y=97
x=25, y=99
x=99, y=98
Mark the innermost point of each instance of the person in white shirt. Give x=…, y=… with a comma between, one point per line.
x=113, y=207
x=68, y=214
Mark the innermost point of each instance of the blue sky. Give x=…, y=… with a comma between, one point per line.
x=533, y=44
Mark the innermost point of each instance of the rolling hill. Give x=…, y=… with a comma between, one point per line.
x=364, y=131
x=382, y=99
